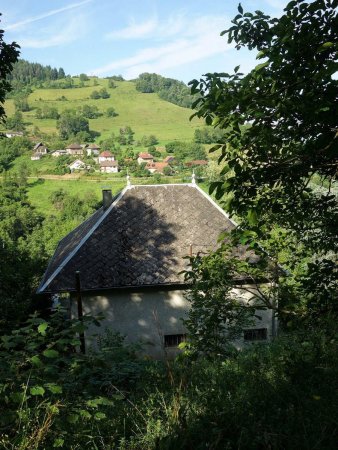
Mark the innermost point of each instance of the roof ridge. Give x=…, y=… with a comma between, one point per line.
x=82, y=241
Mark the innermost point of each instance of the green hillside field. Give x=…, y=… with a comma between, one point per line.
x=145, y=113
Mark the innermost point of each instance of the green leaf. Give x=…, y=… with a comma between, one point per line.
x=240, y=9
x=325, y=46
x=261, y=66
x=54, y=388
x=36, y=361
x=99, y=416
x=42, y=328
x=85, y=414
x=50, y=353
x=252, y=217
x=73, y=418
x=291, y=5
x=37, y=390
x=236, y=69
x=58, y=443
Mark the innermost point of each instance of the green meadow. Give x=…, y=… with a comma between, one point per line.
x=40, y=190
x=145, y=113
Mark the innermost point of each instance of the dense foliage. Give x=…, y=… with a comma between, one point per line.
x=289, y=103
x=168, y=89
x=266, y=397
x=186, y=150
x=208, y=135
x=8, y=56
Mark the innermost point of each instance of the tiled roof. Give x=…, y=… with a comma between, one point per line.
x=157, y=166
x=140, y=240
x=74, y=146
x=106, y=154
x=145, y=156
x=36, y=146
x=94, y=146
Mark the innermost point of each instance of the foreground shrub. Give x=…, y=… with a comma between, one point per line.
x=271, y=396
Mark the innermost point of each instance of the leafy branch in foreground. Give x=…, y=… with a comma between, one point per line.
x=280, y=134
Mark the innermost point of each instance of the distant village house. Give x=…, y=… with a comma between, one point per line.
x=78, y=165
x=93, y=150
x=109, y=167
x=74, y=149
x=106, y=156
x=156, y=167
x=145, y=158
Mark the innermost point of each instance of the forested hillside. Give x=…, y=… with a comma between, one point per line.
x=173, y=91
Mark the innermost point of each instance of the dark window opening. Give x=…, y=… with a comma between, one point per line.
x=173, y=340
x=256, y=334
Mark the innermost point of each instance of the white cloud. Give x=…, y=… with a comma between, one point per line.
x=135, y=30
x=45, y=15
x=151, y=28
x=53, y=37
x=195, y=39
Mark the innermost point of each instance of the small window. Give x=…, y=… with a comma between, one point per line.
x=256, y=334
x=173, y=340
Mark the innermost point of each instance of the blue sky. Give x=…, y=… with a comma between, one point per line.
x=174, y=38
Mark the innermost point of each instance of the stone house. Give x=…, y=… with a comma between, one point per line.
x=130, y=255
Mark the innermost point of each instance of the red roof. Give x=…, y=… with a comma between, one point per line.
x=158, y=166
x=106, y=154
x=145, y=156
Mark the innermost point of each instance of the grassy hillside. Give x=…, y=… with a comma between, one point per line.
x=144, y=113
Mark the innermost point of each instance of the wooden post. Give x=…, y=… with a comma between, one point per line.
x=79, y=310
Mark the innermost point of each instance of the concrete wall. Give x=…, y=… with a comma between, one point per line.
x=146, y=316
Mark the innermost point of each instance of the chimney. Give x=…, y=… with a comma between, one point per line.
x=107, y=198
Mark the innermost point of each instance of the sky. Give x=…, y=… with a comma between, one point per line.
x=174, y=38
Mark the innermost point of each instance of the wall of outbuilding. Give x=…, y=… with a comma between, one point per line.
x=147, y=315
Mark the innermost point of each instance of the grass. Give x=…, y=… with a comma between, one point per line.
x=145, y=113
x=39, y=190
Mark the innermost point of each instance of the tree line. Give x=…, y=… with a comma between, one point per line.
x=26, y=72
x=168, y=89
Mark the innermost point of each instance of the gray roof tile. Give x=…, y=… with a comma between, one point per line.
x=142, y=240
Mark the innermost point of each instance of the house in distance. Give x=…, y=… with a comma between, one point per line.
x=130, y=255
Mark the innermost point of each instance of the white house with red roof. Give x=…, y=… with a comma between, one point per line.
x=106, y=156
x=109, y=167
x=144, y=157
